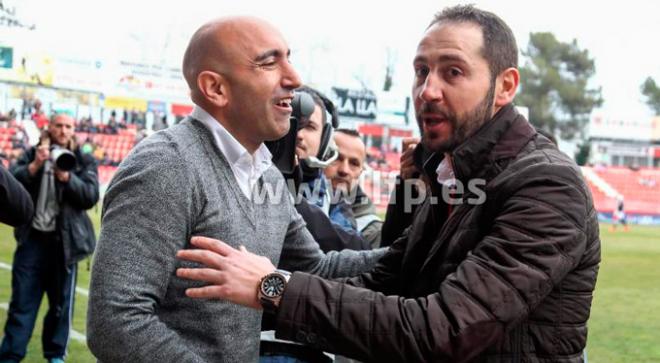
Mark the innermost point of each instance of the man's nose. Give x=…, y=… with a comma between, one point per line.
x=343, y=169
x=290, y=77
x=431, y=89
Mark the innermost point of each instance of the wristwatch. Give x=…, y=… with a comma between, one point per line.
x=271, y=289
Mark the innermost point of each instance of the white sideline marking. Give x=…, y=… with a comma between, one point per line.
x=74, y=334
x=80, y=290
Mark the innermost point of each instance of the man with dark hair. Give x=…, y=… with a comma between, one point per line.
x=344, y=175
x=52, y=242
x=500, y=262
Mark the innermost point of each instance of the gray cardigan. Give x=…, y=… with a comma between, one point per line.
x=174, y=185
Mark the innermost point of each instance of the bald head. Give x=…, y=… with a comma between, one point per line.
x=238, y=71
x=61, y=130
x=213, y=47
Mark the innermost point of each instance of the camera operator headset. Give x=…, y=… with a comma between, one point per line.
x=311, y=165
x=328, y=235
x=327, y=148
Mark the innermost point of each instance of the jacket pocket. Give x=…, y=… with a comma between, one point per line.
x=80, y=235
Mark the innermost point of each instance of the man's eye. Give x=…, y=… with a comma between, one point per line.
x=454, y=72
x=268, y=64
x=421, y=71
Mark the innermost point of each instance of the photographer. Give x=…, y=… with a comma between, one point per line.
x=63, y=184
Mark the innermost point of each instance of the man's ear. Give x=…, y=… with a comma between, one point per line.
x=213, y=87
x=506, y=87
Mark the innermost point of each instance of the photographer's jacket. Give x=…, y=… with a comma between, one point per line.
x=75, y=197
x=510, y=279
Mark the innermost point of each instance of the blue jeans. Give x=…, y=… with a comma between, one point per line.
x=39, y=268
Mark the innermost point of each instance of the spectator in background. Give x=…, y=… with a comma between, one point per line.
x=87, y=147
x=121, y=124
x=50, y=245
x=19, y=140
x=134, y=117
x=8, y=119
x=38, y=116
x=112, y=127
x=619, y=216
x=99, y=153
x=344, y=175
x=3, y=119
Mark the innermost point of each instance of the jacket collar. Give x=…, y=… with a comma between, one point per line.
x=500, y=138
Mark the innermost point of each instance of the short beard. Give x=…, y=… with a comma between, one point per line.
x=462, y=127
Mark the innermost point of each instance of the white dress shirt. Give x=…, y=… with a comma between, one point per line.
x=247, y=168
x=445, y=172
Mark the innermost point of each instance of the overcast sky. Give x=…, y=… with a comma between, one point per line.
x=347, y=42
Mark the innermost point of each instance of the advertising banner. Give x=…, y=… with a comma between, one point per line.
x=355, y=103
x=26, y=67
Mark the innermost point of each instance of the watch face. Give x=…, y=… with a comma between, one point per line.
x=273, y=286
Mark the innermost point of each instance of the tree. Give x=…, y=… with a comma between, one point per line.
x=582, y=154
x=652, y=93
x=389, y=69
x=554, y=85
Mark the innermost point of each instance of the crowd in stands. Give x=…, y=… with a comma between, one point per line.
x=108, y=142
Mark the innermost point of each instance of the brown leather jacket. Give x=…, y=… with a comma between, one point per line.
x=507, y=280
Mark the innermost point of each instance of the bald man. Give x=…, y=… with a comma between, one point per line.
x=203, y=177
x=51, y=243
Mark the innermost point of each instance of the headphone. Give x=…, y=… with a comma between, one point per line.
x=328, y=151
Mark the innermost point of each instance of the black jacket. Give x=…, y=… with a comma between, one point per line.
x=509, y=278
x=15, y=203
x=329, y=236
x=400, y=214
x=81, y=193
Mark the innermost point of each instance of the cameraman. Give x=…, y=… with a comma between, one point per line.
x=314, y=151
x=333, y=227
x=49, y=246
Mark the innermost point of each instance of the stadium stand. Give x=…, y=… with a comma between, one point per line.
x=640, y=189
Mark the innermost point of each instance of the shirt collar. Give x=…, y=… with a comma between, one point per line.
x=445, y=172
x=228, y=145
